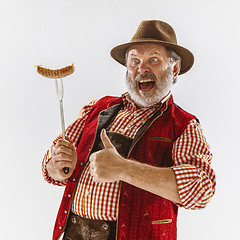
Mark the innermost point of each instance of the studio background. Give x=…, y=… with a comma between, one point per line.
x=56, y=33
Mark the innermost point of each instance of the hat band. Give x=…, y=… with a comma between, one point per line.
x=151, y=39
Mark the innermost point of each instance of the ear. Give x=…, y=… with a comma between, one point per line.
x=176, y=68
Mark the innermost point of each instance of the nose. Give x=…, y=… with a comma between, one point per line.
x=143, y=68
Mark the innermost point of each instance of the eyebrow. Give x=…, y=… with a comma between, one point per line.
x=133, y=54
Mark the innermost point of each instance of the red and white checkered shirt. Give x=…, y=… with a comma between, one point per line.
x=191, y=155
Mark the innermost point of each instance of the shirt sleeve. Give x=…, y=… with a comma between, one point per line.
x=73, y=132
x=192, y=158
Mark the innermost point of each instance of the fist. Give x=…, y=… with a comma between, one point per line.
x=64, y=155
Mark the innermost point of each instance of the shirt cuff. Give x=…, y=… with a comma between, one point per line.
x=194, y=187
x=46, y=176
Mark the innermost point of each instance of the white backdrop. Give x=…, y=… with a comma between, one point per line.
x=56, y=33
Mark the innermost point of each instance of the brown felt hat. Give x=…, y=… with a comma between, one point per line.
x=155, y=31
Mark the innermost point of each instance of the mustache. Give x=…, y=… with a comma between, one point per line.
x=144, y=76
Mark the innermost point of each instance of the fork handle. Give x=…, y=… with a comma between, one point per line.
x=60, y=98
x=62, y=119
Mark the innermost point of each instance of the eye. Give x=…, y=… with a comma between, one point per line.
x=134, y=61
x=154, y=59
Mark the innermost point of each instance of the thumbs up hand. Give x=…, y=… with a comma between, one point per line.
x=107, y=164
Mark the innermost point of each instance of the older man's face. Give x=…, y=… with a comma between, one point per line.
x=149, y=73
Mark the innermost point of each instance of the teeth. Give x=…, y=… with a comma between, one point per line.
x=146, y=80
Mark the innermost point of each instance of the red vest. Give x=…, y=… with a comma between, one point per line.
x=142, y=215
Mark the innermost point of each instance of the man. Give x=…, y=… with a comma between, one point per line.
x=133, y=159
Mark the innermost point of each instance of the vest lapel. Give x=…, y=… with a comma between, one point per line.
x=143, y=128
x=149, y=122
x=105, y=117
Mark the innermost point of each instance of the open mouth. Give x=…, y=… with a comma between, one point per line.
x=146, y=84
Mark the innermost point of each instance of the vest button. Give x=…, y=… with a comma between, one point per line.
x=65, y=211
x=60, y=228
x=74, y=179
x=69, y=195
x=81, y=163
x=74, y=220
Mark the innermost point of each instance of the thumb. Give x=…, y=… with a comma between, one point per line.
x=105, y=140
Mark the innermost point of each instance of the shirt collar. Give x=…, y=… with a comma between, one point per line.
x=128, y=102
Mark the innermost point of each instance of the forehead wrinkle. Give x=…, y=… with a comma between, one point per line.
x=137, y=52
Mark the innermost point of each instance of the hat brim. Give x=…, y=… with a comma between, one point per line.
x=187, y=59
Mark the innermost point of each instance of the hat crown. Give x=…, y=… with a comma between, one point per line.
x=155, y=30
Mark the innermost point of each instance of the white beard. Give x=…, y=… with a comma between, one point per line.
x=142, y=99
